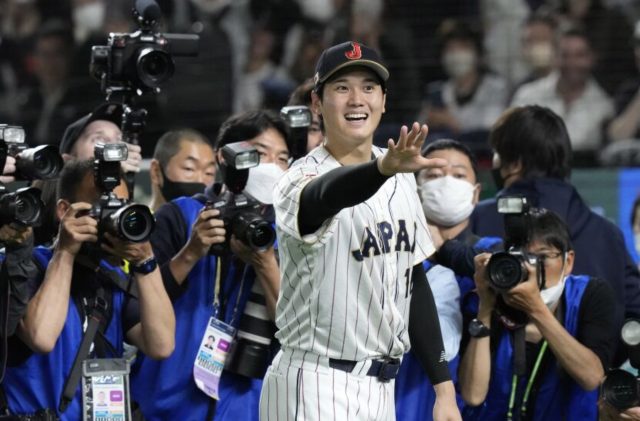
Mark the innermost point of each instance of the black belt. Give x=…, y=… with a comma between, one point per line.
x=384, y=370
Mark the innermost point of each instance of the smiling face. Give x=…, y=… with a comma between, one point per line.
x=352, y=106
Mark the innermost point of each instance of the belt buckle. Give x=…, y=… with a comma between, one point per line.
x=389, y=368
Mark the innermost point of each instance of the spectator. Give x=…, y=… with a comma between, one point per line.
x=538, y=46
x=183, y=164
x=46, y=109
x=609, y=32
x=470, y=99
x=532, y=158
x=573, y=93
x=567, y=338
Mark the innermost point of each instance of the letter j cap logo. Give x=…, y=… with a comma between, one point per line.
x=355, y=53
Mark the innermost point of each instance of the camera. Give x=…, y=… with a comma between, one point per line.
x=243, y=215
x=142, y=60
x=129, y=221
x=507, y=269
x=23, y=206
x=42, y=162
x=298, y=118
x=620, y=388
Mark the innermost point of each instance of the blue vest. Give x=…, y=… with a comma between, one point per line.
x=165, y=389
x=38, y=382
x=559, y=397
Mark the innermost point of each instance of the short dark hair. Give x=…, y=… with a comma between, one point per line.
x=458, y=30
x=71, y=177
x=549, y=229
x=545, y=18
x=444, y=144
x=169, y=144
x=536, y=137
x=248, y=125
x=55, y=28
x=576, y=32
x=302, y=94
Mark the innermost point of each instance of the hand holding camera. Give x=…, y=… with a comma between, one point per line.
x=526, y=295
x=77, y=227
x=134, y=157
x=15, y=234
x=207, y=230
x=250, y=256
x=135, y=253
x=486, y=294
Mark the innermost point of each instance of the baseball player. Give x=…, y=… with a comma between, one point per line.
x=352, y=240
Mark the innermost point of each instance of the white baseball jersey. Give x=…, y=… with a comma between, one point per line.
x=345, y=289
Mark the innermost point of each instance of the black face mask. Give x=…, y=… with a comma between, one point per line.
x=497, y=178
x=173, y=189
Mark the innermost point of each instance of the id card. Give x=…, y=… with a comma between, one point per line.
x=214, y=348
x=105, y=390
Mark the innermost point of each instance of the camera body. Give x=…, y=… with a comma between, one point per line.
x=40, y=163
x=142, y=60
x=620, y=388
x=129, y=221
x=507, y=269
x=241, y=213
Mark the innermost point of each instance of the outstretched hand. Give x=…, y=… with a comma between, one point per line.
x=405, y=155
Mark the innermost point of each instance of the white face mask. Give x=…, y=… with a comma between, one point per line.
x=262, y=180
x=550, y=296
x=447, y=201
x=459, y=63
x=636, y=240
x=88, y=18
x=540, y=55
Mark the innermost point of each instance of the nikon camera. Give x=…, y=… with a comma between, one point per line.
x=142, y=60
x=129, y=221
x=620, y=388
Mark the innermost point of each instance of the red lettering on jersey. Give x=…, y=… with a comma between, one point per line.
x=354, y=54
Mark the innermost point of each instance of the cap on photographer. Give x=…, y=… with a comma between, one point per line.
x=183, y=164
x=569, y=332
x=184, y=235
x=69, y=280
x=102, y=125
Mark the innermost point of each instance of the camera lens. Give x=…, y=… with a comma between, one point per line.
x=154, y=67
x=23, y=206
x=255, y=231
x=620, y=389
x=133, y=222
x=42, y=162
x=505, y=271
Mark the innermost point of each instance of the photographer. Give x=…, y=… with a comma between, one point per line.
x=102, y=125
x=208, y=289
x=70, y=285
x=570, y=326
x=183, y=164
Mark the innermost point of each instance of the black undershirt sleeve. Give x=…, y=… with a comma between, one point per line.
x=457, y=256
x=597, y=328
x=167, y=239
x=340, y=188
x=424, y=329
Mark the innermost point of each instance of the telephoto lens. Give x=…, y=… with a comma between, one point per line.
x=40, y=163
x=24, y=206
x=506, y=270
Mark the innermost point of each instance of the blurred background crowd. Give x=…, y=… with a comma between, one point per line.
x=455, y=63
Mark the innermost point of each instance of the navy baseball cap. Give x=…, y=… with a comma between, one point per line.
x=348, y=54
x=107, y=111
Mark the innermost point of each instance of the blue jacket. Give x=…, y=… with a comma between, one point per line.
x=559, y=397
x=598, y=243
x=39, y=381
x=165, y=389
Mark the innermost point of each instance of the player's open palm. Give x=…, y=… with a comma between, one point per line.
x=404, y=156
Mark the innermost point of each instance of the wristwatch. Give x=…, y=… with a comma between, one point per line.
x=477, y=329
x=146, y=267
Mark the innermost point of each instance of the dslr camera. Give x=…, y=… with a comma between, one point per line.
x=241, y=213
x=23, y=206
x=507, y=269
x=39, y=163
x=620, y=388
x=129, y=221
x=142, y=60
x=298, y=118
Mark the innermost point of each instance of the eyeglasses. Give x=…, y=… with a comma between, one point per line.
x=533, y=258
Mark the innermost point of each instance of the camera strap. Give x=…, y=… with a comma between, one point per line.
x=527, y=392
x=98, y=315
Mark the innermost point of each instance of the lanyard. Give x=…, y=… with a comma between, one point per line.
x=216, y=293
x=514, y=384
